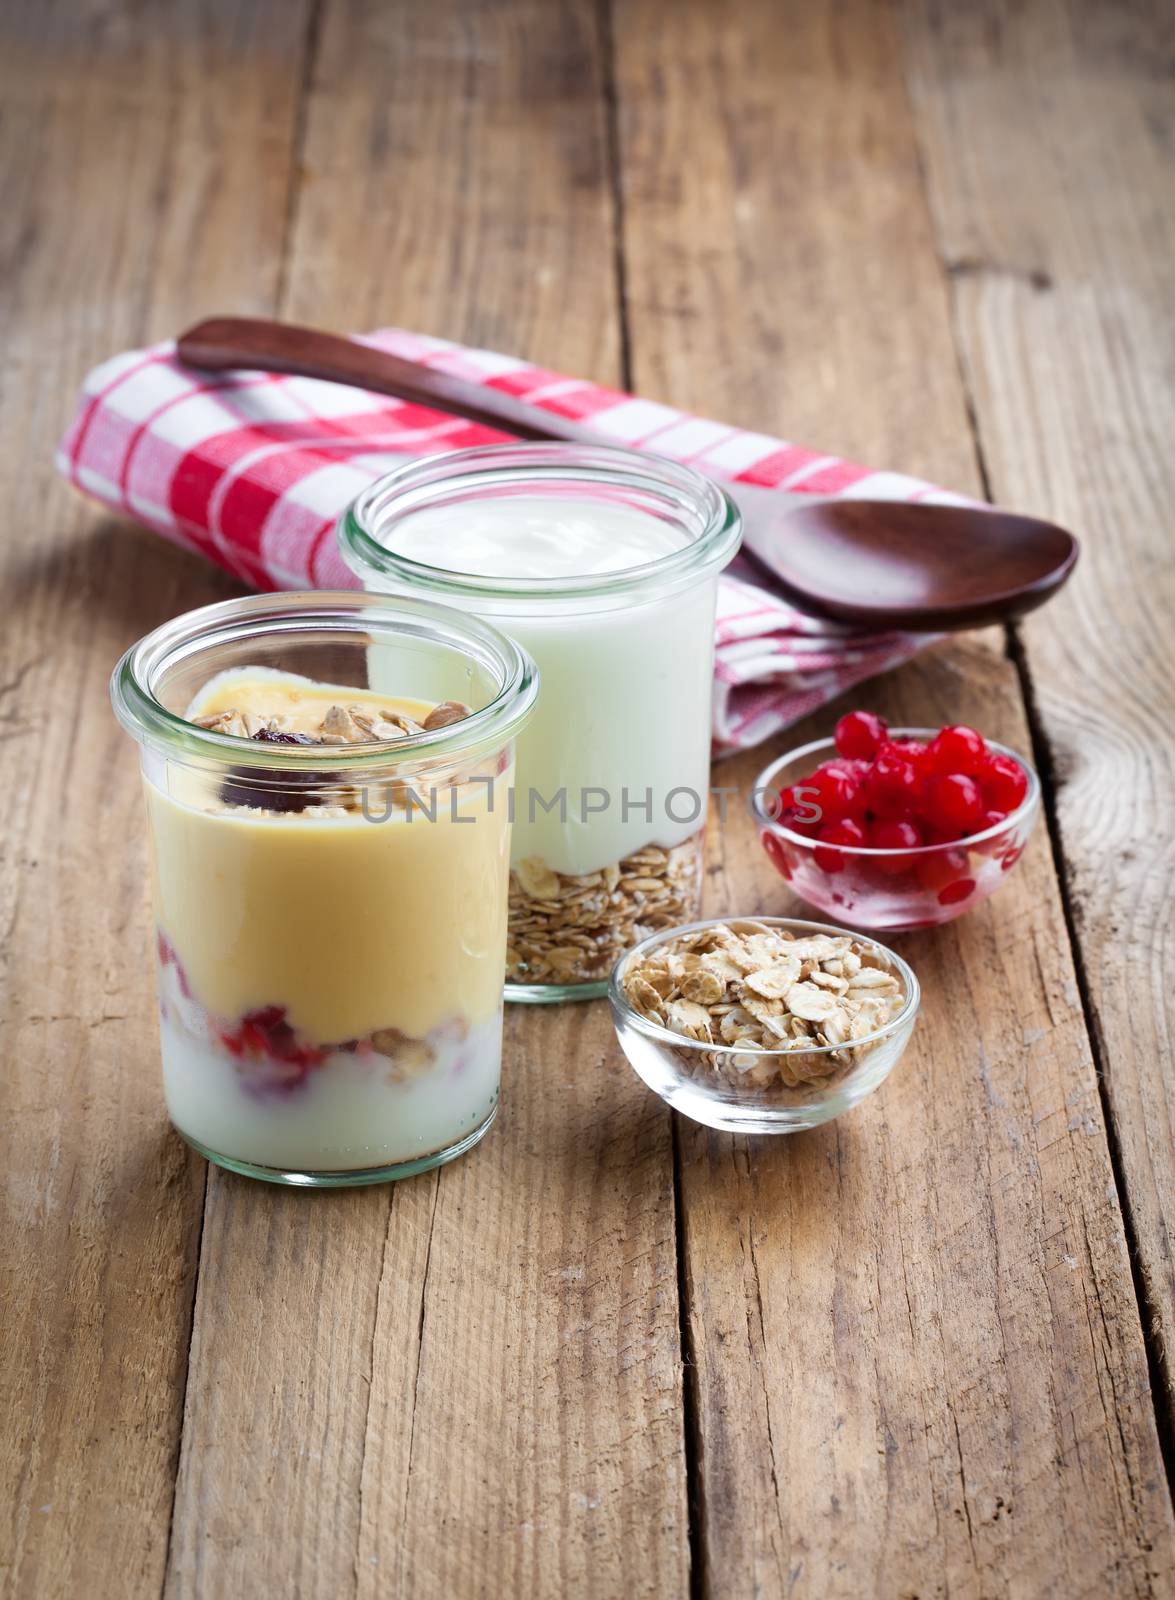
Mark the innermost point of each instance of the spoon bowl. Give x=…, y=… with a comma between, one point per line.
x=883, y=564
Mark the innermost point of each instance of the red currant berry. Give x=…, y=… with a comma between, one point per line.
x=1004, y=783
x=961, y=889
x=893, y=834
x=989, y=847
x=806, y=798
x=933, y=835
x=777, y=853
x=859, y=734
x=777, y=803
x=954, y=801
x=892, y=787
x=793, y=808
x=942, y=867
x=836, y=786
x=846, y=831
x=957, y=749
x=913, y=750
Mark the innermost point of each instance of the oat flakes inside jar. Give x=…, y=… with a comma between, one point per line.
x=604, y=565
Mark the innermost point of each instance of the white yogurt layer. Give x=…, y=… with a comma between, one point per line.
x=536, y=536
x=348, y=1113
x=619, y=744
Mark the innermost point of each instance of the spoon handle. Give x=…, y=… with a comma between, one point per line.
x=259, y=344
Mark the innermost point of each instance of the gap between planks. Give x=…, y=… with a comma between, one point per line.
x=690, y=1419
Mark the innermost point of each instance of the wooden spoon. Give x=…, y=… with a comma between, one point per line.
x=878, y=564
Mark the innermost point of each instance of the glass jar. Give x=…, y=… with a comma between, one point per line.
x=613, y=771
x=330, y=918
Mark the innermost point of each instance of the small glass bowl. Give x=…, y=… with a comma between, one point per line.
x=703, y=1080
x=891, y=891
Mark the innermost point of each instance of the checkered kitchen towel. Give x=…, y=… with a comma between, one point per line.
x=252, y=470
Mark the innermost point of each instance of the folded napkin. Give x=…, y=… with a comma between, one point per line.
x=252, y=470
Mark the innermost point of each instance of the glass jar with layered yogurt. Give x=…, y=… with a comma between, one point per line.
x=330, y=863
x=604, y=565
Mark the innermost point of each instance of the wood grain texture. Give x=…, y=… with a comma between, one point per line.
x=918, y=1366
x=539, y=1450
x=779, y=260
x=471, y=1383
x=138, y=175
x=455, y=178
x=1057, y=228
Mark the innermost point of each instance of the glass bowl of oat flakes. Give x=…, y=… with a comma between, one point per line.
x=764, y=1024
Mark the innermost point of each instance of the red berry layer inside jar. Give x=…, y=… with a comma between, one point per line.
x=898, y=795
x=272, y=1060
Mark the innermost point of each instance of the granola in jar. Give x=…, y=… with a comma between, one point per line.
x=568, y=928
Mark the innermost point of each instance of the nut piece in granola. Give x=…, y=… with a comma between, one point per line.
x=280, y=716
x=339, y=724
x=762, y=989
x=444, y=715
x=408, y=1057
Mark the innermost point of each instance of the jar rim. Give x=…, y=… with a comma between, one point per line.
x=429, y=479
x=148, y=721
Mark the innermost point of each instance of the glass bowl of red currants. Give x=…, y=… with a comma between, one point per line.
x=893, y=829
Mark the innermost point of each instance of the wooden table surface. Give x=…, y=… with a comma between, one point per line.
x=924, y=1351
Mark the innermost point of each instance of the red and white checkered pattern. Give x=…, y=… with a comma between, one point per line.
x=252, y=471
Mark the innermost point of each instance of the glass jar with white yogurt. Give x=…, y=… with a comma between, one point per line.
x=330, y=863
x=603, y=564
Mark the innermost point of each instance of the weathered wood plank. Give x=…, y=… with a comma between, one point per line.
x=145, y=175
x=456, y=181
x=1057, y=227
x=779, y=263
x=500, y=1412
x=532, y=1443
x=918, y=1361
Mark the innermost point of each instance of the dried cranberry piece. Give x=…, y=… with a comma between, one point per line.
x=271, y=790
x=275, y=736
x=265, y=1016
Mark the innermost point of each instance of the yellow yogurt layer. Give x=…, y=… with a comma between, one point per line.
x=351, y=925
